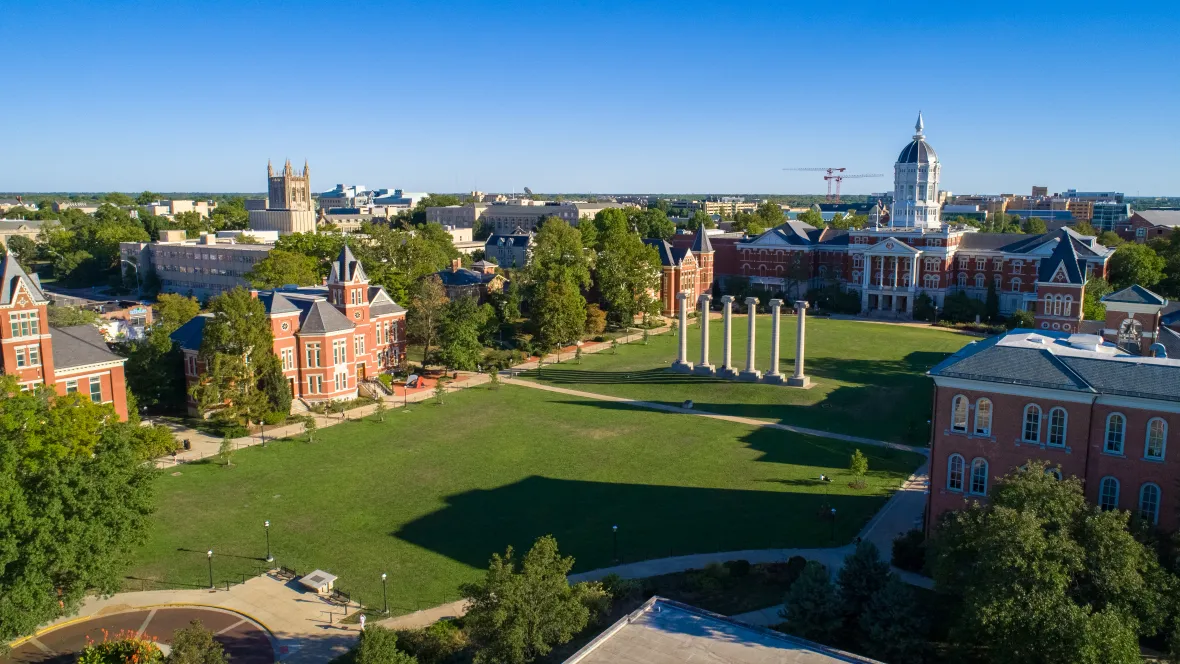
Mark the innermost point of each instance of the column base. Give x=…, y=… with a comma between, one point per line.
x=750, y=376
x=800, y=381
x=703, y=370
x=727, y=372
x=682, y=367
x=774, y=379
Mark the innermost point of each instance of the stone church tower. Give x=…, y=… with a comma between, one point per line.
x=288, y=191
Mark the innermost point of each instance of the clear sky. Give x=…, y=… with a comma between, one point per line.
x=589, y=96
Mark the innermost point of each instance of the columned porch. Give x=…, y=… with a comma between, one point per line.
x=889, y=280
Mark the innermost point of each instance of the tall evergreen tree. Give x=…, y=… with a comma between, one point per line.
x=811, y=608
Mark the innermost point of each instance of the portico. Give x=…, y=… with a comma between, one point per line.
x=888, y=278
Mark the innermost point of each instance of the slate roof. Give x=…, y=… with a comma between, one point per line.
x=1171, y=340
x=78, y=346
x=701, y=243
x=346, y=268
x=189, y=335
x=1066, y=255
x=917, y=152
x=463, y=277
x=1057, y=360
x=1170, y=218
x=276, y=303
x=1014, y=243
x=514, y=239
x=12, y=273
x=323, y=318
x=669, y=255
x=381, y=303
x=1135, y=295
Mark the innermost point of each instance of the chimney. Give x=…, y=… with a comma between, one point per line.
x=456, y=264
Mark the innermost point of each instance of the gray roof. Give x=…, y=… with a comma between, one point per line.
x=1170, y=218
x=11, y=273
x=189, y=335
x=1171, y=340
x=513, y=239
x=663, y=631
x=346, y=268
x=463, y=277
x=276, y=303
x=1064, y=254
x=1135, y=295
x=917, y=152
x=14, y=224
x=78, y=346
x=701, y=243
x=381, y=303
x=669, y=255
x=323, y=318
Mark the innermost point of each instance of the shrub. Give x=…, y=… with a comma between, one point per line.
x=795, y=566
x=863, y=574
x=595, y=597
x=386, y=380
x=831, y=298
x=195, y=645
x=274, y=417
x=738, y=568
x=909, y=551
x=1020, y=318
x=811, y=608
x=893, y=625
x=622, y=590
x=440, y=643
x=123, y=649
x=595, y=320
x=924, y=307
x=378, y=645
x=959, y=307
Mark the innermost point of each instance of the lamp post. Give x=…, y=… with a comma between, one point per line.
x=209, y=554
x=384, y=594
x=138, y=285
x=833, y=535
x=269, y=558
x=615, y=532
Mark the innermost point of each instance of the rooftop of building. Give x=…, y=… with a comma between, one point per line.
x=80, y=346
x=663, y=631
x=1170, y=218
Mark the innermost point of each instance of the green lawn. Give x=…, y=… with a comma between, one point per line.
x=429, y=494
x=868, y=377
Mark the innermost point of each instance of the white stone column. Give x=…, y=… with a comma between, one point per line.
x=727, y=370
x=751, y=373
x=704, y=368
x=773, y=376
x=798, y=379
x=682, y=365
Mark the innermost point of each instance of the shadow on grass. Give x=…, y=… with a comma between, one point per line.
x=653, y=521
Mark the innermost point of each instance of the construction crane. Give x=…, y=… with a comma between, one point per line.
x=836, y=175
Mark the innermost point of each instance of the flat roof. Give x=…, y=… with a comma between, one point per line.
x=663, y=631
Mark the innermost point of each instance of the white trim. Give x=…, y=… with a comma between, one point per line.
x=72, y=371
x=1138, y=403
x=1016, y=390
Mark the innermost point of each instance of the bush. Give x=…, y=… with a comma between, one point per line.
x=274, y=417
x=595, y=320
x=441, y=643
x=386, y=380
x=959, y=307
x=909, y=551
x=595, y=597
x=622, y=590
x=378, y=645
x=124, y=649
x=924, y=307
x=738, y=568
x=832, y=299
x=1020, y=318
x=811, y=608
x=195, y=645
x=795, y=565
x=861, y=577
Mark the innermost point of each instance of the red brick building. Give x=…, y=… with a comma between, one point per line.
x=687, y=269
x=69, y=359
x=329, y=338
x=1148, y=225
x=1101, y=407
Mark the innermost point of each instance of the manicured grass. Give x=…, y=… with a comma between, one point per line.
x=429, y=494
x=868, y=377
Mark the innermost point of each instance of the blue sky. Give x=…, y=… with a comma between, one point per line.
x=587, y=96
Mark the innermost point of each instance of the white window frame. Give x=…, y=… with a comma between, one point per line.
x=1052, y=433
x=1107, y=436
x=1163, y=439
x=96, y=395
x=959, y=413
x=953, y=468
x=983, y=408
x=1103, y=494
x=1024, y=422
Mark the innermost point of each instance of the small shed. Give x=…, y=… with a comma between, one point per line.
x=319, y=581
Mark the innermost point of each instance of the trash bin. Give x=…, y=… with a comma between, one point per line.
x=187, y=444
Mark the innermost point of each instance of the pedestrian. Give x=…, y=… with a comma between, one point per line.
x=362, y=622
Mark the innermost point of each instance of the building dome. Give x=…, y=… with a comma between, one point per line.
x=918, y=151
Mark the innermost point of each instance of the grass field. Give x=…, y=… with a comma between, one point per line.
x=868, y=377
x=429, y=494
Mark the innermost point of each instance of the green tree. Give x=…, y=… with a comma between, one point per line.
x=172, y=310
x=595, y=320
x=322, y=248
x=859, y=467
x=75, y=502
x=1035, y=226
x=71, y=316
x=236, y=348
x=863, y=575
x=924, y=307
x=651, y=222
x=1110, y=239
x=230, y=215
x=195, y=645
x=378, y=645
x=117, y=198
x=771, y=214
x=1134, y=263
x=556, y=272
x=459, y=332
x=812, y=217
x=699, y=219
x=991, y=305
x=284, y=267
x=1021, y=318
x=1086, y=228
x=24, y=249
x=146, y=198
x=848, y=221
x=811, y=609
x=428, y=306
x=893, y=626
x=517, y=613
x=1092, y=307
x=627, y=272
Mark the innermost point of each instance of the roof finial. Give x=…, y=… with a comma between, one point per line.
x=919, y=125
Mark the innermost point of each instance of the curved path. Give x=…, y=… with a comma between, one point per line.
x=245, y=641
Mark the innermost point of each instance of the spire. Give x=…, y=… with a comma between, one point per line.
x=287, y=168
x=919, y=126
x=305, y=169
x=270, y=169
x=700, y=243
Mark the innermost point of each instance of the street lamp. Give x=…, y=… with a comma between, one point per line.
x=384, y=593
x=209, y=553
x=138, y=285
x=833, y=535
x=615, y=531
x=269, y=558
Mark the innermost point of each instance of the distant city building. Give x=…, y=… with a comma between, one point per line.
x=289, y=204
x=1039, y=192
x=915, y=178
x=200, y=268
x=344, y=196
x=26, y=228
x=173, y=208
x=1116, y=196
x=89, y=207
x=510, y=250
x=398, y=198
x=1111, y=216
x=1147, y=225
x=458, y=216
x=506, y=218
x=255, y=203
x=7, y=204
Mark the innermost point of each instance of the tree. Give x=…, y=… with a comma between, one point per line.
x=1110, y=239
x=627, y=272
x=172, y=310
x=812, y=217
x=309, y=427
x=863, y=575
x=1134, y=263
x=118, y=198
x=459, y=332
x=284, y=267
x=1085, y=228
x=893, y=626
x=518, y=613
x=440, y=391
x=771, y=214
x=1035, y=226
x=427, y=309
x=1092, y=307
x=651, y=222
x=71, y=316
x=378, y=645
x=849, y=221
x=556, y=272
x=1021, y=318
x=75, y=502
x=1037, y=565
x=322, y=248
x=238, y=352
x=24, y=249
x=859, y=466
x=991, y=305
x=811, y=609
x=595, y=320
x=195, y=645
x=146, y=198
x=225, y=451
x=924, y=307
x=699, y=219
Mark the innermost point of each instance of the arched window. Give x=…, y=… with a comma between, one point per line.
x=858, y=261
x=1149, y=503
x=929, y=265
x=1032, y=423
x=1108, y=493
x=856, y=276
x=823, y=271
x=1057, y=426
x=1116, y=429
x=1157, y=434
x=959, y=413
x=930, y=281
x=905, y=278
x=962, y=280
x=979, y=281
x=979, y=477
x=998, y=279
x=954, y=473
x=1055, y=472
x=983, y=417
x=1068, y=305
x=745, y=268
x=1016, y=284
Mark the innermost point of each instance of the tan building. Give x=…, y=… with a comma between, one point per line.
x=456, y=216
x=290, y=208
x=173, y=208
x=89, y=207
x=201, y=268
x=1039, y=192
x=22, y=227
x=729, y=207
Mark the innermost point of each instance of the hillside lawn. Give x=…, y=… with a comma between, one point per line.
x=428, y=495
x=868, y=377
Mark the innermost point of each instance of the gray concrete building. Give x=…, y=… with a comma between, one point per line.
x=201, y=268
x=510, y=250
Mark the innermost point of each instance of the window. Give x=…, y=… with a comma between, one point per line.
x=1157, y=432
x=315, y=384
x=979, y=477
x=341, y=381
x=1057, y=422
x=930, y=281
x=71, y=386
x=959, y=414
x=983, y=417
x=358, y=345
x=962, y=262
x=930, y=265
x=1116, y=427
x=354, y=296
x=24, y=323
x=339, y=353
x=998, y=264
x=190, y=365
x=1017, y=265
x=954, y=473
x=1067, y=306
x=1149, y=503
x=962, y=280
x=1016, y=284
x=1032, y=423
x=313, y=355
x=998, y=280
x=1055, y=472
x=96, y=389
x=288, y=356
x=1108, y=494
x=980, y=263
x=20, y=358
x=979, y=281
